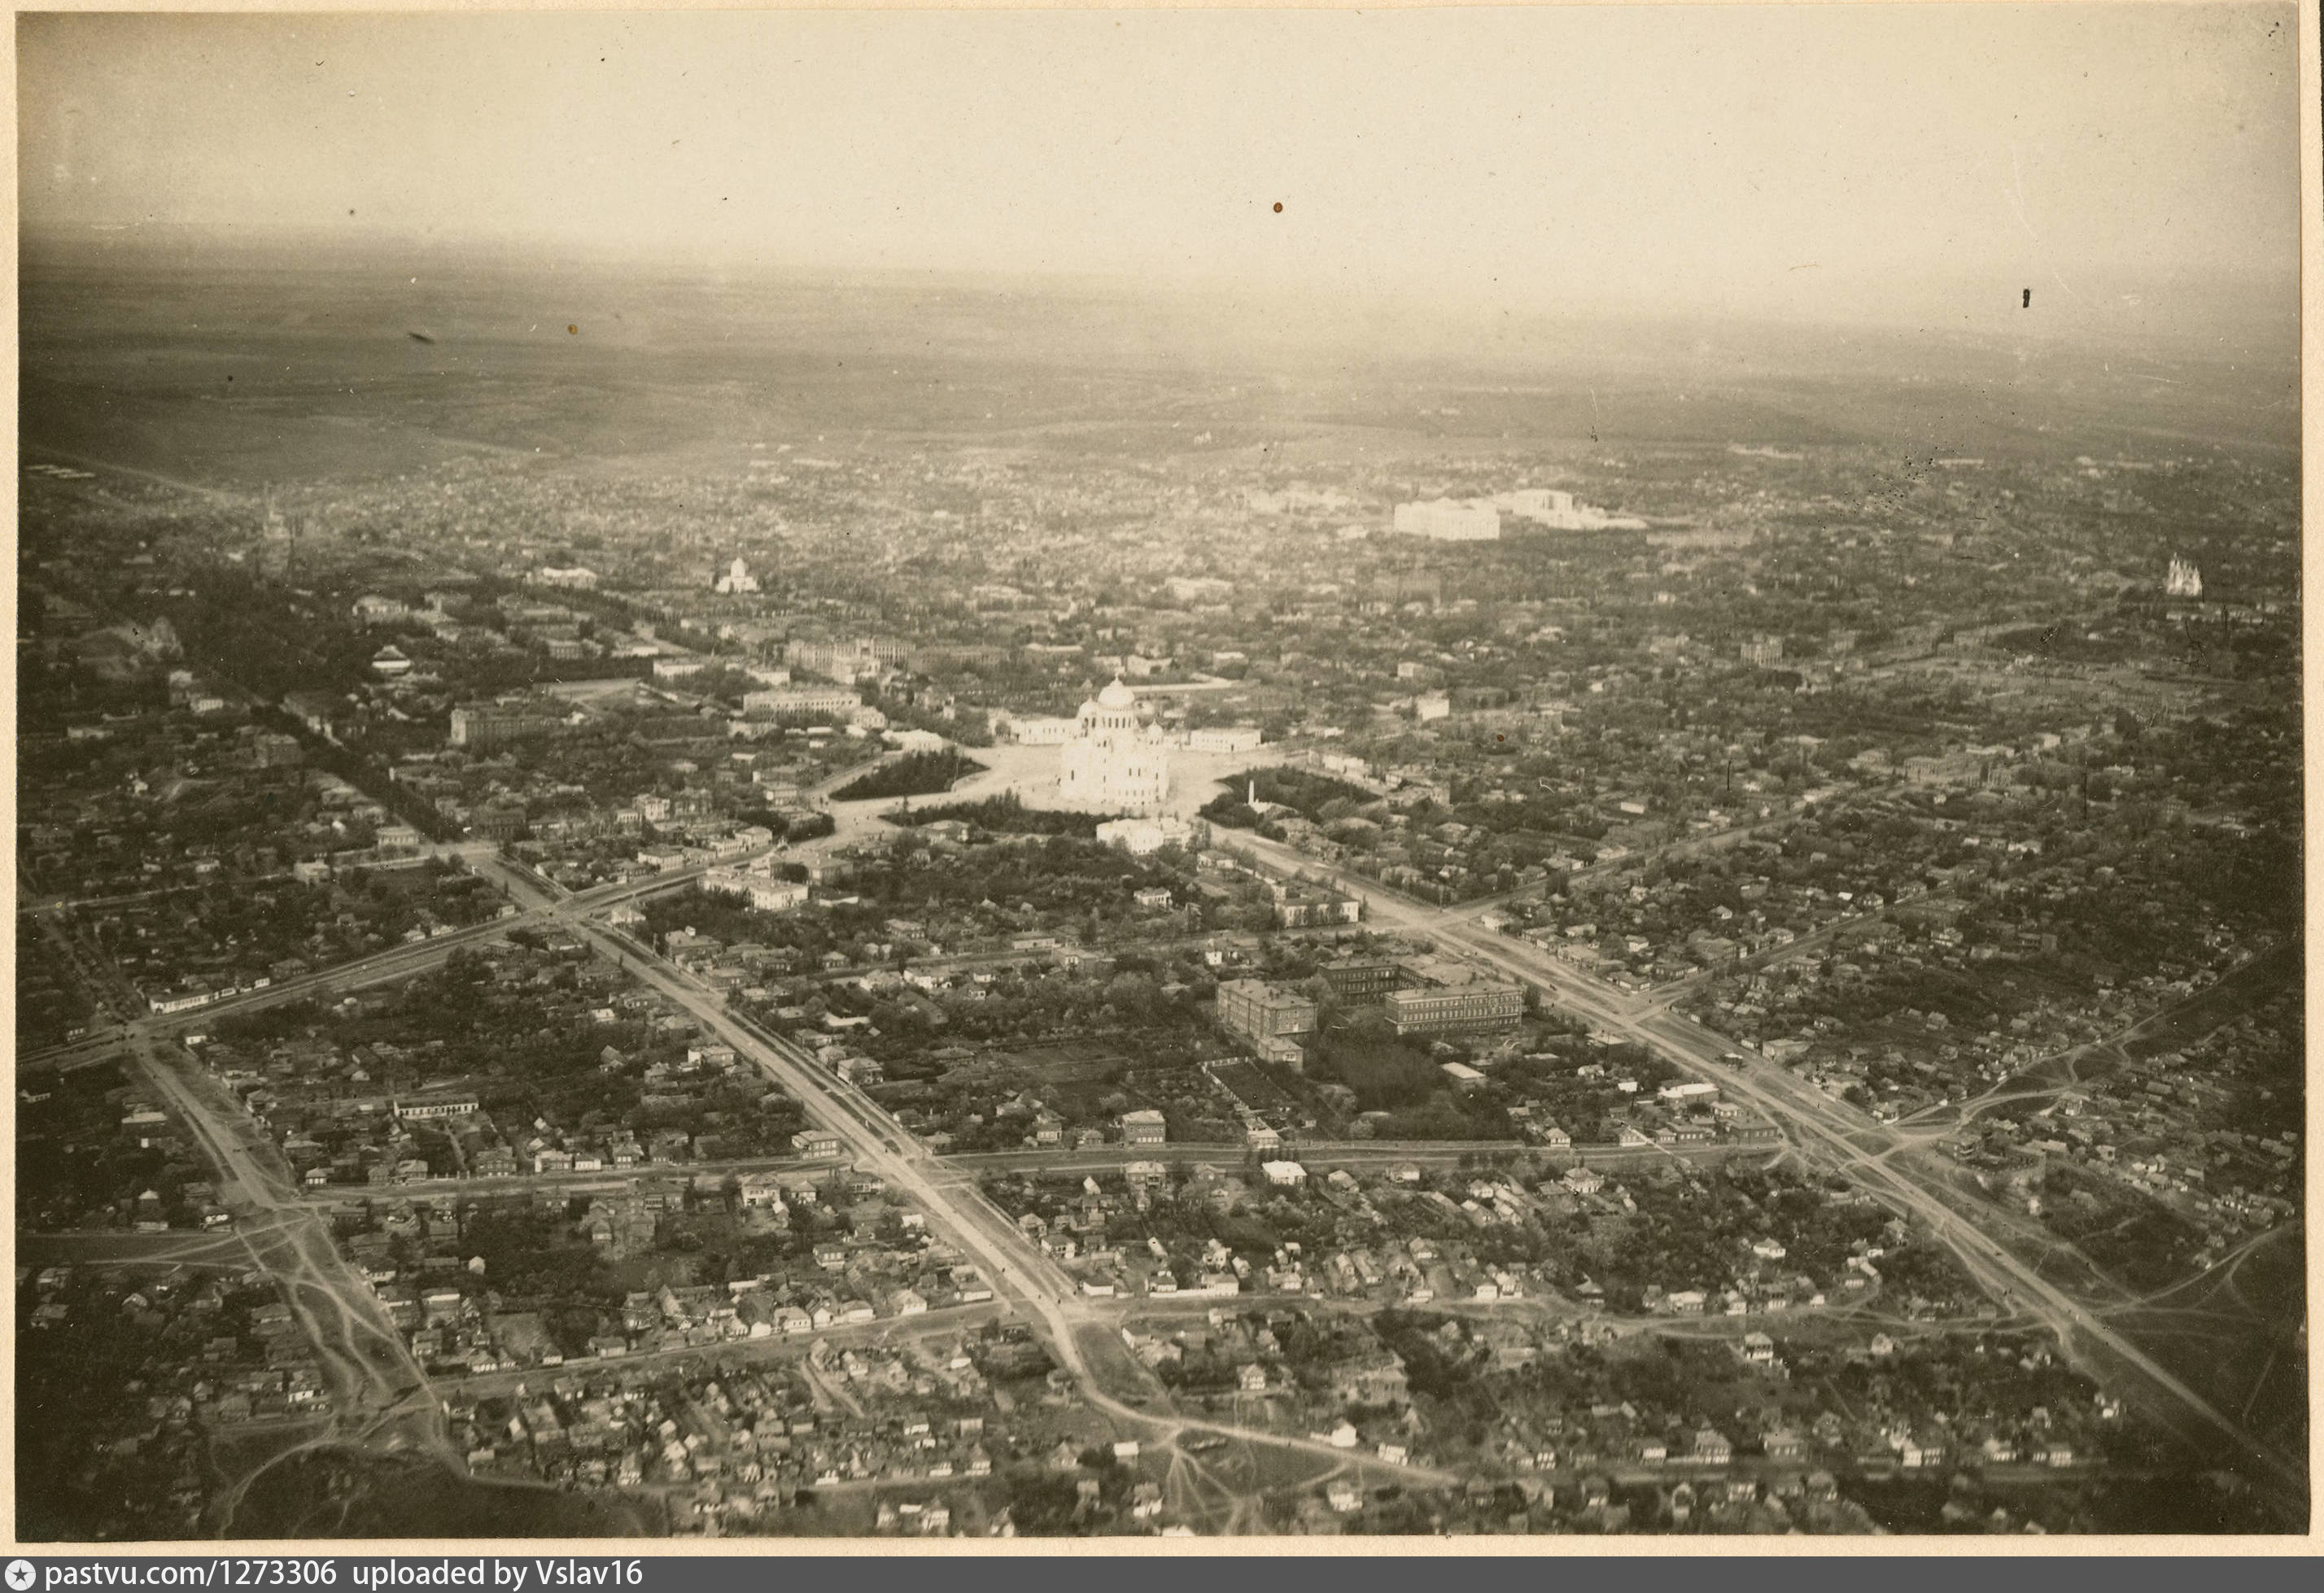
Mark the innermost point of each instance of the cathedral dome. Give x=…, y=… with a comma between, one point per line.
x=1117, y=695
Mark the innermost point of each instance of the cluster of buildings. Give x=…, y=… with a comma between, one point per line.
x=1402, y=652
x=211, y=1351
x=436, y=1288
x=382, y=1114
x=2155, y=1134
x=1421, y=998
x=734, y=1447
x=1417, y=1245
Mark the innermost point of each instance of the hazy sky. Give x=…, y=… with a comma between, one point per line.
x=1748, y=159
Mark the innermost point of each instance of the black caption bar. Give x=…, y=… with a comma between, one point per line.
x=496, y=1573
x=1488, y=1566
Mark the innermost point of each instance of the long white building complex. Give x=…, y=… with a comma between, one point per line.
x=1479, y=519
x=1447, y=520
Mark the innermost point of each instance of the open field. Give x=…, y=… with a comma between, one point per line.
x=343, y=1492
x=202, y=364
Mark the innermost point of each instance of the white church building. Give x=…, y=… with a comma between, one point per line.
x=1112, y=761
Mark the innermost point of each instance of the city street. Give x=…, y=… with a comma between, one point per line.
x=1989, y=1244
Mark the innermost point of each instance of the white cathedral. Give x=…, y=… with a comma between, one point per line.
x=737, y=579
x=1113, y=761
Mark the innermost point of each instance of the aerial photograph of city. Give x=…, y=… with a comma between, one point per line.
x=1437, y=774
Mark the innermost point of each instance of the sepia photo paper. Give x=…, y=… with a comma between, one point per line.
x=950, y=782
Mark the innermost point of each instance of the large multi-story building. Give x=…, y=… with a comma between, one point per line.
x=1480, y=1008
x=273, y=750
x=371, y=609
x=1141, y=837
x=1479, y=519
x=1363, y=981
x=1559, y=512
x=1300, y=909
x=1114, y=761
x=1542, y=503
x=427, y=1108
x=1447, y=520
x=948, y=657
x=1225, y=738
x=802, y=699
x=1042, y=733
x=483, y=728
x=765, y=893
x=1144, y=1127
x=849, y=660
x=1269, y=1018
x=502, y=822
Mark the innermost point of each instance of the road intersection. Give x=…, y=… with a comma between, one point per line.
x=1984, y=1238
x=385, y=1397
x=382, y=1398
